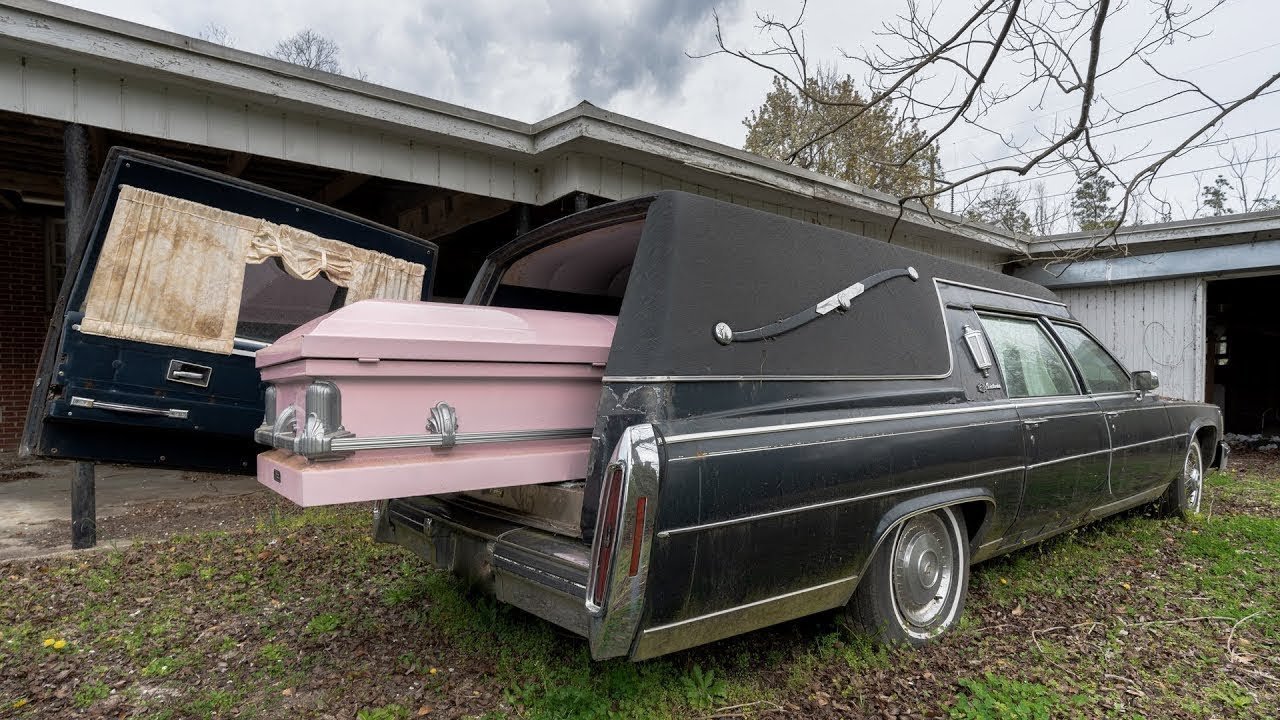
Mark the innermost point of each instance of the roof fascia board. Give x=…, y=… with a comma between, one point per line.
x=579, y=127
x=1227, y=260
x=1195, y=229
x=83, y=37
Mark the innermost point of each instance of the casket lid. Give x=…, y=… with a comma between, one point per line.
x=407, y=330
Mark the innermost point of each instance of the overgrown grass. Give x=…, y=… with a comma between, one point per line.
x=306, y=616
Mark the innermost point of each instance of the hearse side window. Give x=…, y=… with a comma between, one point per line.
x=584, y=273
x=1101, y=373
x=1031, y=365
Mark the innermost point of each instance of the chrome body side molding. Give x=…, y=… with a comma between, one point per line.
x=743, y=618
x=688, y=632
x=834, y=503
x=90, y=403
x=862, y=419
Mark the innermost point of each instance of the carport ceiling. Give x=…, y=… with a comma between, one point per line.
x=31, y=170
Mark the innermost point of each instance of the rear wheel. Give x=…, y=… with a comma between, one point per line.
x=1182, y=499
x=914, y=588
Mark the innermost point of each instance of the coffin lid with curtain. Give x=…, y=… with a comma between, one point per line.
x=171, y=271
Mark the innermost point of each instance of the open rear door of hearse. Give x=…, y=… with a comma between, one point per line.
x=183, y=275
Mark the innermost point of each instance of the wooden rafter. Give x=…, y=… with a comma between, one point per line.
x=31, y=182
x=237, y=163
x=444, y=215
x=340, y=187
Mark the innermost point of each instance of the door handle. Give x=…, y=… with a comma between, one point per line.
x=1112, y=414
x=189, y=373
x=90, y=403
x=1032, y=423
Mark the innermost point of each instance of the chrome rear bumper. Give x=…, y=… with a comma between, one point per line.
x=536, y=571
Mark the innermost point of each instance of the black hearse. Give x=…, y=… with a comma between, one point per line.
x=796, y=419
x=793, y=419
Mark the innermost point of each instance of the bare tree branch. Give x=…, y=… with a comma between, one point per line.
x=1028, y=52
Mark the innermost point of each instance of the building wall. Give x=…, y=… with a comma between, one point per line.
x=23, y=318
x=1157, y=326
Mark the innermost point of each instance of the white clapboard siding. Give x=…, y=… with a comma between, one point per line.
x=1157, y=326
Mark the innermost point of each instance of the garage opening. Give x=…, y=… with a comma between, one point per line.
x=1243, y=347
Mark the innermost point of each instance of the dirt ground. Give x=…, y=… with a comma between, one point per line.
x=244, y=607
x=133, y=504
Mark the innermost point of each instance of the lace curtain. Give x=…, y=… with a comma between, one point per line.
x=171, y=271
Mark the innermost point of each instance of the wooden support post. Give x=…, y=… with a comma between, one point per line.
x=77, y=158
x=84, y=507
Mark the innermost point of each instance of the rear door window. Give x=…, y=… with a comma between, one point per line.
x=1101, y=373
x=1028, y=359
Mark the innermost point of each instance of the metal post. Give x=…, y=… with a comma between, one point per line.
x=76, y=160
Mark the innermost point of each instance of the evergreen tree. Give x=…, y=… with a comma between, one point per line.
x=1091, y=206
x=795, y=128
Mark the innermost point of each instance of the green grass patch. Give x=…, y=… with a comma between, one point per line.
x=994, y=697
x=91, y=692
x=324, y=623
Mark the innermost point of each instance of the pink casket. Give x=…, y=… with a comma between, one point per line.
x=386, y=399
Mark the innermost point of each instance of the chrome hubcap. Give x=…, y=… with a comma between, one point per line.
x=924, y=570
x=1193, y=482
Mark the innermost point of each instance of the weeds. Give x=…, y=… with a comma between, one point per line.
x=701, y=689
x=304, y=616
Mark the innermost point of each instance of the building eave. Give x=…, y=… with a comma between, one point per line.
x=90, y=40
x=1224, y=229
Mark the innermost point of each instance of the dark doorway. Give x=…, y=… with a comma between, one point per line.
x=1243, y=375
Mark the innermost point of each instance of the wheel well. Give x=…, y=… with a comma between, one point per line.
x=1208, y=452
x=974, y=513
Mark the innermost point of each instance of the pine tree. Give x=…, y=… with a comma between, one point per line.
x=797, y=128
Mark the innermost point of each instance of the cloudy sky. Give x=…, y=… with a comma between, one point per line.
x=528, y=60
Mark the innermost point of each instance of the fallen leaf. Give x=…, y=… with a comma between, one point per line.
x=424, y=710
x=1016, y=611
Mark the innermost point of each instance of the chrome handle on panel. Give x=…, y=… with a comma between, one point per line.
x=1112, y=414
x=188, y=373
x=1032, y=423
x=130, y=409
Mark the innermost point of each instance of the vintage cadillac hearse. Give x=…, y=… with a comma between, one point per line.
x=669, y=420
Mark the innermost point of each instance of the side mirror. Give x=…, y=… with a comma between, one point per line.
x=1145, y=381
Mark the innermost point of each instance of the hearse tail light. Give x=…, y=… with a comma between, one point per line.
x=977, y=349
x=607, y=532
